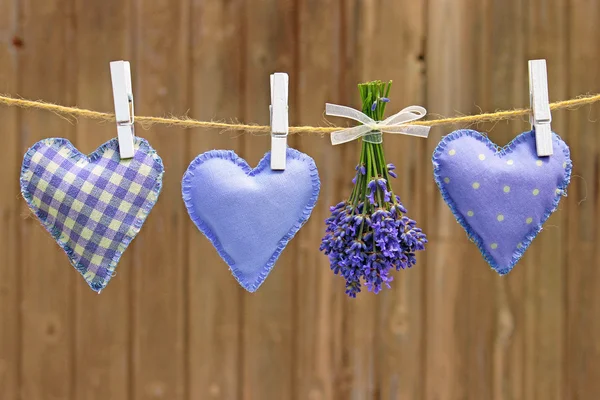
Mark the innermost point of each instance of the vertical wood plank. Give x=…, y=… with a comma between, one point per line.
x=104, y=320
x=582, y=276
x=160, y=84
x=459, y=284
x=360, y=315
x=215, y=297
x=503, y=85
x=320, y=295
x=397, y=38
x=46, y=274
x=547, y=38
x=268, y=330
x=382, y=334
x=9, y=209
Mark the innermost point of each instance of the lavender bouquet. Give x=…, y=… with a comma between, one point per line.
x=369, y=234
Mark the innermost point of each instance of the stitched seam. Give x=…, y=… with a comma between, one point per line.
x=264, y=163
x=96, y=284
x=501, y=151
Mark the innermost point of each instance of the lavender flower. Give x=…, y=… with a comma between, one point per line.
x=390, y=169
x=369, y=235
x=360, y=170
x=369, y=248
x=372, y=188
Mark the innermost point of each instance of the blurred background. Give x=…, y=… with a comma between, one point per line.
x=174, y=324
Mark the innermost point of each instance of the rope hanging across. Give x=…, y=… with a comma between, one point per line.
x=184, y=122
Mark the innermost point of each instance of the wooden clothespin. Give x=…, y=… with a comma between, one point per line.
x=540, y=116
x=120, y=72
x=279, y=120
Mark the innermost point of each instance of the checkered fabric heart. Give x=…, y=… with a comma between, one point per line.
x=92, y=206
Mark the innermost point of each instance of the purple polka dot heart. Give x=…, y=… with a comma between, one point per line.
x=500, y=195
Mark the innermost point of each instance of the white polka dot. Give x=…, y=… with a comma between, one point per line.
x=506, y=189
x=500, y=217
x=510, y=162
x=452, y=152
x=520, y=245
x=539, y=163
x=529, y=220
x=565, y=164
x=494, y=246
x=536, y=192
x=558, y=191
x=470, y=213
x=447, y=180
x=482, y=157
x=475, y=185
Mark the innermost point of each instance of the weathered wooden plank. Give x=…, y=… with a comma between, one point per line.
x=503, y=85
x=397, y=38
x=502, y=82
x=269, y=314
x=545, y=271
x=320, y=295
x=524, y=301
x=102, y=368
x=160, y=70
x=582, y=277
x=360, y=315
x=10, y=322
x=47, y=278
x=459, y=284
x=376, y=343
x=214, y=309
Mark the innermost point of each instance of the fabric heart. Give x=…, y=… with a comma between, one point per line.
x=500, y=196
x=248, y=214
x=92, y=206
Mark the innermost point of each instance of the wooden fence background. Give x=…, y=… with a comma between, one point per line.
x=174, y=325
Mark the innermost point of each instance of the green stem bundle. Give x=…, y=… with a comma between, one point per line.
x=374, y=96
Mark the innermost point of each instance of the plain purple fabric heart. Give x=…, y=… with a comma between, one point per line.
x=250, y=215
x=500, y=196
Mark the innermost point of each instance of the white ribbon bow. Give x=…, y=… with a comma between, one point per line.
x=397, y=123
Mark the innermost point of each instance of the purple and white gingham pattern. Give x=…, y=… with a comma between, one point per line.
x=92, y=206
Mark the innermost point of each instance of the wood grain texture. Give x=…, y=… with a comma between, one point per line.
x=10, y=221
x=174, y=324
x=388, y=32
x=459, y=302
x=215, y=307
x=320, y=369
x=360, y=323
x=102, y=322
x=512, y=312
x=268, y=326
x=159, y=277
x=547, y=264
x=47, y=278
x=582, y=328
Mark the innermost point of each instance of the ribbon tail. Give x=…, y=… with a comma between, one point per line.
x=350, y=134
x=335, y=110
x=411, y=130
x=408, y=114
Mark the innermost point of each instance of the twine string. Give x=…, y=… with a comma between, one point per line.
x=185, y=122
